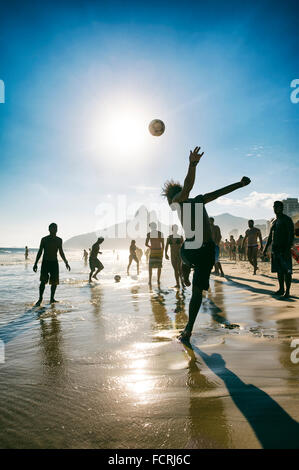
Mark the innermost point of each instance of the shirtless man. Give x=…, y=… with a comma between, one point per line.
x=216, y=236
x=49, y=272
x=201, y=259
x=175, y=242
x=133, y=256
x=94, y=262
x=232, y=248
x=155, y=242
x=251, y=235
x=282, y=237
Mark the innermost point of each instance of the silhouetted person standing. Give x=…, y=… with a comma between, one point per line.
x=49, y=272
x=94, y=262
x=201, y=259
x=232, y=248
x=216, y=236
x=26, y=253
x=252, y=235
x=282, y=237
x=175, y=242
x=155, y=242
x=85, y=256
x=133, y=256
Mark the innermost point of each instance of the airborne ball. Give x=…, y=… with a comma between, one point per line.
x=117, y=278
x=156, y=127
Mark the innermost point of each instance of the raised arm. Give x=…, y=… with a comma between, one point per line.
x=39, y=253
x=61, y=252
x=194, y=158
x=209, y=197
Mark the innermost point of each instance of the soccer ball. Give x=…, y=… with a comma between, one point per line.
x=117, y=278
x=156, y=127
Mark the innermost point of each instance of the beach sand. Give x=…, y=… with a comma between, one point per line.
x=103, y=368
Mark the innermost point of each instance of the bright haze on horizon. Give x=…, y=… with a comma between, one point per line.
x=84, y=79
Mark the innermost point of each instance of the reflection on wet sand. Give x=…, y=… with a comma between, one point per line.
x=51, y=346
x=162, y=319
x=205, y=433
x=181, y=316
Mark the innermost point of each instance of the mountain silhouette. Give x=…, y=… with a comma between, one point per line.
x=118, y=236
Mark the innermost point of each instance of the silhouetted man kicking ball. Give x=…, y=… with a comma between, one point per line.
x=49, y=272
x=94, y=262
x=282, y=238
x=201, y=258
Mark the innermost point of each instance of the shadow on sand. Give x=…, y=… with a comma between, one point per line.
x=272, y=425
x=241, y=285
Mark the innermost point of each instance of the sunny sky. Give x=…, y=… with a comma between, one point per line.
x=83, y=79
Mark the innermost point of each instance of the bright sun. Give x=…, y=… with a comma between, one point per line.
x=121, y=130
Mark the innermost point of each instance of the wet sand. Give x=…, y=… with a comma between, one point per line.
x=103, y=368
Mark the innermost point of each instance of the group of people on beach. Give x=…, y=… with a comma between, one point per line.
x=198, y=251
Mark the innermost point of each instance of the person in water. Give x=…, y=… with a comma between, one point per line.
x=175, y=242
x=49, y=245
x=252, y=234
x=155, y=242
x=85, y=256
x=200, y=258
x=94, y=262
x=133, y=256
x=282, y=238
x=26, y=253
x=216, y=236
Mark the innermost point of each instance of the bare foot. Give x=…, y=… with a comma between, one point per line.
x=185, y=336
x=53, y=301
x=38, y=303
x=95, y=277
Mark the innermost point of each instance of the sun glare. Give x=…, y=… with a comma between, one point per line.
x=121, y=130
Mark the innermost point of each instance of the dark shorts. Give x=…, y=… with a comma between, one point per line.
x=202, y=261
x=155, y=259
x=281, y=263
x=49, y=272
x=252, y=252
x=95, y=263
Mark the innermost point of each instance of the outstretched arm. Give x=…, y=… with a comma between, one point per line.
x=61, y=252
x=194, y=158
x=209, y=197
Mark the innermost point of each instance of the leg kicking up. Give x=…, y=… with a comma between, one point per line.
x=198, y=250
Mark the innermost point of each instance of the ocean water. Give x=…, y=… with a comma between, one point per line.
x=103, y=368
